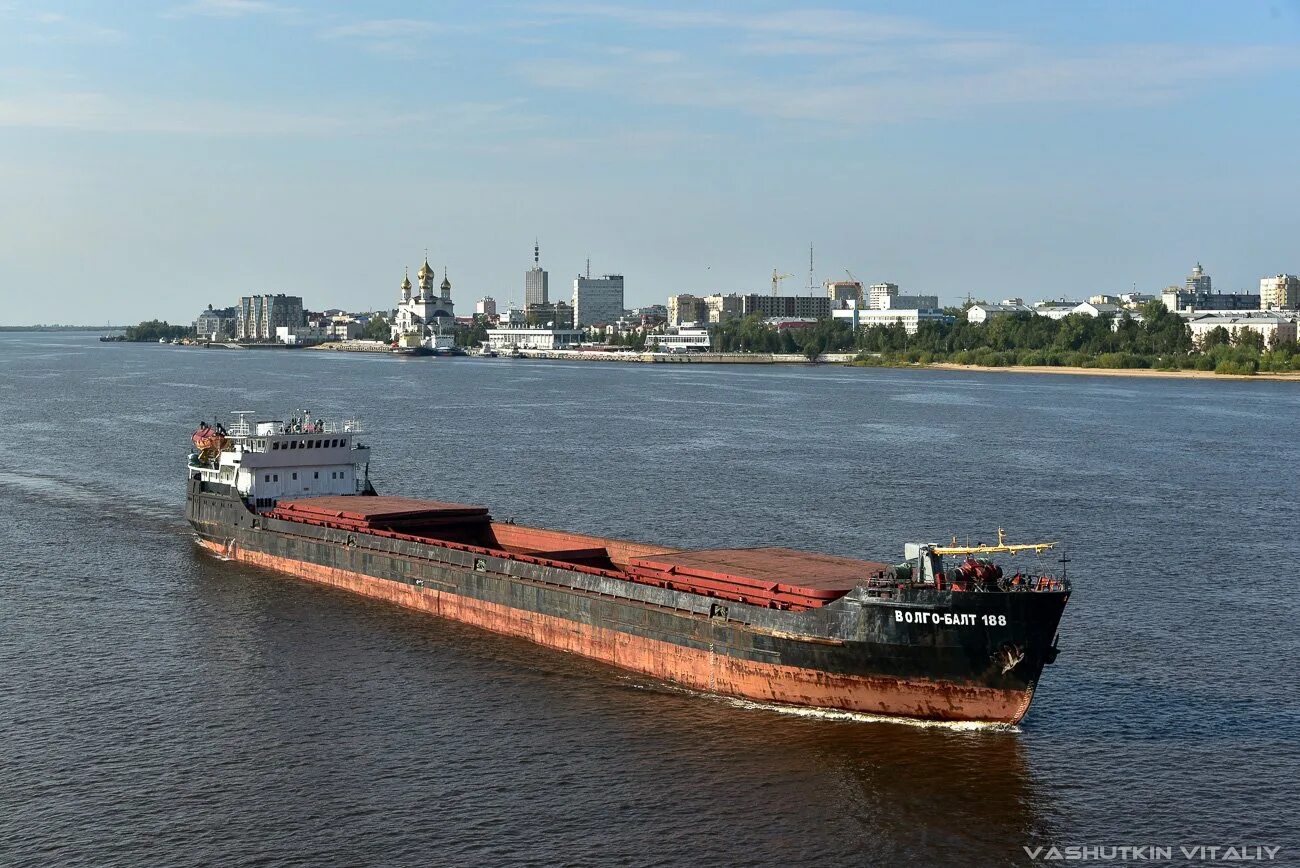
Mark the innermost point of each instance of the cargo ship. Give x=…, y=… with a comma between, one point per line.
x=944, y=634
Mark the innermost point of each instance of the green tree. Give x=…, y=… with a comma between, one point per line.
x=1215, y=337
x=155, y=330
x=1248, y=339
x=377, y=329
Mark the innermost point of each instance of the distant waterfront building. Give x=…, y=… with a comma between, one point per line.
x=343, y=329
x=681, y=340
x=1197, y=295
x=982, y=313
x=486, y=306
x=597, y=300
x=532, y=338
x=879, y=293
x=720, y=308
x=1101, y=309
x=1135, y=299
x=423, y=314
x=686, y=308
x=258, y=316
x=910, y=319
x=558, y=315
x=1272, y=327
x=650, y=315
x=301, y=336
x=1055, y=309
x=797, y=306
x=1282, y=291
x=910, y=302
x=536, y=289
x=1179, y=300
x=216, y=324
x=844, y=290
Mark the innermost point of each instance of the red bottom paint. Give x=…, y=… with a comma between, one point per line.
x=697, y=669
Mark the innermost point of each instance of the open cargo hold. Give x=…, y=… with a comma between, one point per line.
x=776, y=578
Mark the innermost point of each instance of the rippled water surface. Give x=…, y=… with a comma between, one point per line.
x=162, y=707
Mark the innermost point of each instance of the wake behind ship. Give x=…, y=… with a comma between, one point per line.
x=918, y=639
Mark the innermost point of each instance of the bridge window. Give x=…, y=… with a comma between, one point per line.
x=295, y=476
x=268, y=478
x=315, y=475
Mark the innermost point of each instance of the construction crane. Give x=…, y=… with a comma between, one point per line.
x=777, y=277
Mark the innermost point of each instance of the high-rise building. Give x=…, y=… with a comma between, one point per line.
x=802, y=306
x=259, y=316
x=1282, y=291
x=879, y=293
x=535, y=281
x=486, y=306
x=686, y=308
x=1198, y=281
x=844, y=290
x=597, y=300
x=724, y=307
x=919, y=302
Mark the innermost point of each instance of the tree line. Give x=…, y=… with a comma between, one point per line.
x=1160, y=340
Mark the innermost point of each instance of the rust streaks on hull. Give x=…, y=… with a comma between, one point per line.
x=700, y=669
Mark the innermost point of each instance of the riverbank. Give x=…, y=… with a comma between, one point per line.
x=1109, y=372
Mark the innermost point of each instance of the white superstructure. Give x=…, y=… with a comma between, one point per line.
x=265, y=461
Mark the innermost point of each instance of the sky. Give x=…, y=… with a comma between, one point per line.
x=157, y=157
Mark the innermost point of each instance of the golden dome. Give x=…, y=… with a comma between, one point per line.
x=425, y=271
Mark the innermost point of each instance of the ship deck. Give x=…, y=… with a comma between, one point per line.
x=773, y=577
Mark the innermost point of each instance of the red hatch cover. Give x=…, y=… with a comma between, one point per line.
x=816, y=575
x=375, y=509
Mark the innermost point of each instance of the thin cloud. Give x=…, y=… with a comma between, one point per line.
x=830, y=23
x=852, y=68
x=91, y=111
x=55, y=28
x=382, y=28
x=228, y=9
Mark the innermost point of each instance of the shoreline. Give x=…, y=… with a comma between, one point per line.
x=839, y=359
x=1110, y=372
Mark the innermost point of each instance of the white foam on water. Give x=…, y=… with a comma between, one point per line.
x=859, y=717
x=830, y=714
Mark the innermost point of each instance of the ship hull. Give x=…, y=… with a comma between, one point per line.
x=871, y=662
x=698, y=669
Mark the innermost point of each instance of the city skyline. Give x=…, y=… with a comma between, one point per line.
x=175, y=154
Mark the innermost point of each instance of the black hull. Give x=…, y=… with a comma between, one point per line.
x=929, y=654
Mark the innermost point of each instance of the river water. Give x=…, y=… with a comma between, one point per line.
x=162, y=707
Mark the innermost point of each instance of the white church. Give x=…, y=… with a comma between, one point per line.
x=422, y=318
